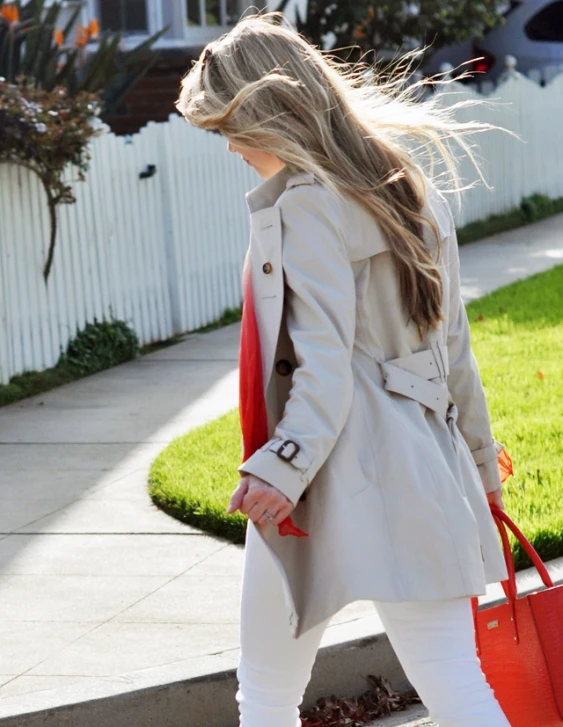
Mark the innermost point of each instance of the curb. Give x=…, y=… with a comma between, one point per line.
x=415, y=716
x=170, y=697
x=201, y=692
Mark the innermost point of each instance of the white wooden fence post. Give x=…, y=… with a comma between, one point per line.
x=166, y=161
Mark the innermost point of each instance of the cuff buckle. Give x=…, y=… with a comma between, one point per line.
x=281, y=451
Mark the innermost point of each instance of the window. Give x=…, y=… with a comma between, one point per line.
x=547, y=25
x=188, y=22
x=128, y=16
x=213, y=12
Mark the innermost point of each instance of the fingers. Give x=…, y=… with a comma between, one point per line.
x=249, y=494
x=258, y=515
x=238, y=496
x=262, y=499
x=257, y=502
x=281, y=515
x=256, y=498
x=495, y=498
x=258, y=493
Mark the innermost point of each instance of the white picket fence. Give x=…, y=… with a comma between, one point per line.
x=165, y=253
x=515, y=168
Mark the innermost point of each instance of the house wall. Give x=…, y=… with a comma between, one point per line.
x=154, y=96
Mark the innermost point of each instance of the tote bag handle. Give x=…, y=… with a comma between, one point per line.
x=503, y=521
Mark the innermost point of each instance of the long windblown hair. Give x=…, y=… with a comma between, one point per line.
x=265, y=87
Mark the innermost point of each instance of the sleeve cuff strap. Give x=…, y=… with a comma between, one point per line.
x=298, y=459
x=272, y=469
x=486, y=454
x=490, y=476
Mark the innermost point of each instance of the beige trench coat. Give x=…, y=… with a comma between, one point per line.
x=382, y=442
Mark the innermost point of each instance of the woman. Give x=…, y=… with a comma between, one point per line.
x=378, y=441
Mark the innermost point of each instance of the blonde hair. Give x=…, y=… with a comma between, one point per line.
x=264, y=86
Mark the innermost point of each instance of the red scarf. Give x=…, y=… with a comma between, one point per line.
x=252, y=407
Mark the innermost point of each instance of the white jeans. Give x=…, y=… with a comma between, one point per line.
x=433, y=640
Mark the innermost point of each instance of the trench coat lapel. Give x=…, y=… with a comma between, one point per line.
x=268, y=287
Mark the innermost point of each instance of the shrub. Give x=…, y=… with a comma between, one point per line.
x=99, y=346
x=536, y=207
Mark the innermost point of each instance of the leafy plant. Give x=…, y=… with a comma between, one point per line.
x=360, y=26
x=536, y=207
x=44, y=131
x=35, y=45
x=99, y=346
x=53, y=88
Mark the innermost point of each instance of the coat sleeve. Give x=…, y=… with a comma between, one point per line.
x=464, y=380
x=320, y=305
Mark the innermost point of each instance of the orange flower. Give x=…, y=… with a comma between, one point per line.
x=59, y=37
x=82, y=36
x=540, y=375
x=94, y=28
x=10, y=13
x=504, y=466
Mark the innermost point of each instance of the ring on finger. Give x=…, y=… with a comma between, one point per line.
x=269, y=518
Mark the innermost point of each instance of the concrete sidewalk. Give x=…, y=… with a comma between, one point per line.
x=103, y=595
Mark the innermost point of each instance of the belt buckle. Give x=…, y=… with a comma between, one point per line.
x=281, y=450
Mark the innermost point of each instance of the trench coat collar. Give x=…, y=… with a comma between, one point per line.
x=268, y=192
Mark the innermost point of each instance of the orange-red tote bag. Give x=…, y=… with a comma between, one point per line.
x=520, y=643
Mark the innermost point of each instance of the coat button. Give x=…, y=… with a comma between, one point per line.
x=283, y=367
x=267, y=268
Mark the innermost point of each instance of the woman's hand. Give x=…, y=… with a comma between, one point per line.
x=495, y=498
x=254, y=497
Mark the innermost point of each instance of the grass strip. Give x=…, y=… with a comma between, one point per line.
x=31, y=383
x=517, y=336
x=532, y=209
x=194, y=477
x=98, y=346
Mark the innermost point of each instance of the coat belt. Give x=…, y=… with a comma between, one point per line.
x=420, y=376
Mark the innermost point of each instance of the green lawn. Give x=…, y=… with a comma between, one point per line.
x=519, y=346
x=518, y=340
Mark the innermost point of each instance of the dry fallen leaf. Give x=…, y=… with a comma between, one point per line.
x=378, y=702
x=480, y=318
